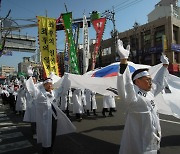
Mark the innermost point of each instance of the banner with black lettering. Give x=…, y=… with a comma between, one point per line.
x=47, y=44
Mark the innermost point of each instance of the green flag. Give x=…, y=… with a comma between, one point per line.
x=67, y=21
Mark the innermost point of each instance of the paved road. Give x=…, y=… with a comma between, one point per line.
x=95, y=135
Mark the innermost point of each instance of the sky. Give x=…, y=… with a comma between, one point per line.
x=127, y=12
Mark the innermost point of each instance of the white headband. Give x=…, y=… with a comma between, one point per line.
x=141, y=74
x=48, y=81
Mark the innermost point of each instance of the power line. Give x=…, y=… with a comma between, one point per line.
x=127, y=5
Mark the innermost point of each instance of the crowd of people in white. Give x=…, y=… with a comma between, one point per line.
x=47, y=108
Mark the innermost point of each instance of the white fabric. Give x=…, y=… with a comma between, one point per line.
x=30, y=70
x=21, y=100
x=65, y=100
x=44, y=113
x=30, y=113
x=142, y=125
x=168, y=103
x=90, y=99
x=77, y=101
x=123, y=53
x=109, y=102
x=141, y=74
x=48, y=81
x=85, y=45
x=164, y=59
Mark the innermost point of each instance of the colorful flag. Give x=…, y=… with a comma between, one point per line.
x=47, y=42
x=99, y=25
x=85, y=45
x=67, y=21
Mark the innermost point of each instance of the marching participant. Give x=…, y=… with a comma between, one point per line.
x=90, y=102
x=30, y=113
x=50, y=120
x=108, y=103
x=78, y=109
x=142, y=132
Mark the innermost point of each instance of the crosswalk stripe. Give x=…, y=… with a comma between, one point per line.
x=8, y=128
x=14, y=146
x=6, y=123
x=3, y=115
x=11, y=135
x=4, y=118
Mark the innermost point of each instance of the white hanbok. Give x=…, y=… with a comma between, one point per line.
x=44, y=113
x=21, y=99
x=90, y=100
x=142, y=132
x=109, y=102
x=30, y=114
x=77, y=101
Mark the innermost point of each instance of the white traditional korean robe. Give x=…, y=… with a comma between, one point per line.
x=77, y=101
x=44, y=112
x=21, y=99
x=65, y=100
x=109, y=102
x=90, y=99
x=30, y=114
x=142, y=132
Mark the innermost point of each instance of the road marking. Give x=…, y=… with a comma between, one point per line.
x=11, y=135
x=3, y=115
x=4, y=118
x=14, y=146
x=174, y=122
x=6, y=124
x=8, y=128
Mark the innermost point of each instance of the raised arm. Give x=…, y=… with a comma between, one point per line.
x=159, y=79
x=124, y=83
x=31, y=87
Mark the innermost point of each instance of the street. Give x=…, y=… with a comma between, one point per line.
x=95, y=135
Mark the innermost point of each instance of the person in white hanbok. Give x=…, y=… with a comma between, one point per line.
x=142, y=131
x=108, y=103
x=21, y=100
x=50, y=120
x=90, y=102
x=30, y=113
x=77, y=103
x=65, y=101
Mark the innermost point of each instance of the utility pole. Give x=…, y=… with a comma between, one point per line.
x=65, y=7
x=110, y=15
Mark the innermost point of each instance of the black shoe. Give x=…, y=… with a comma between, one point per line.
x=94, y=112
x=111, y=115
x=88, y=114
x=79, y=119
x=114, y=110
x=103, y=113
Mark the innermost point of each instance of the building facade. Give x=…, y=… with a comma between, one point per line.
x=148, y=41
x=7, y=70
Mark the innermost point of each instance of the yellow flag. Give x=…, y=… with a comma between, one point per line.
x=47, y=43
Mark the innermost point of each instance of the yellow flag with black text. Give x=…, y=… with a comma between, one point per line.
x=47, y=43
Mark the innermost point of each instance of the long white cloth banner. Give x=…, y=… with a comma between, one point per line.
x=168, y=101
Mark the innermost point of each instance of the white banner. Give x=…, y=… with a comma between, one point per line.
x=168, y=101
x=85, y=45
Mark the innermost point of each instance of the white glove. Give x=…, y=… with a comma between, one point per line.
x=123, y=53
x=164, y=59
x=30, y=70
